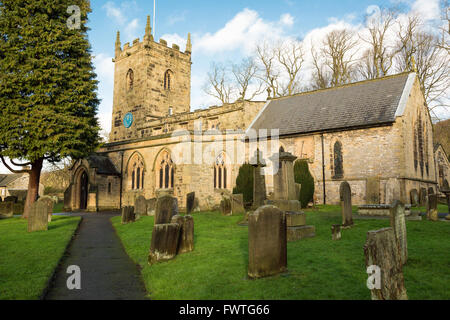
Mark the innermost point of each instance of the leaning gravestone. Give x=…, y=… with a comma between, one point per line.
x=267, y=242
x=6, y=209
x=140, y=206
x=237, y=204
x=49, y=203
x=398, y=223
x=336, y=232
x=432, y=212
x=165, y=238
x=186, y=241
x=225, y=206
x=381, y=249
x=38, y=217
x=166, y=208
x=190, y=202
x=414, y=197
x=128, y=215
x=346, y=204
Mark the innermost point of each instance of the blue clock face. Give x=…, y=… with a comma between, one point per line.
x=128, y=120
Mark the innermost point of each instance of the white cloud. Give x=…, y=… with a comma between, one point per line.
x=104, y=67
x=121, y=15
x=287, y=19
x=175, y=38
x=426, y=9
x=114, y=12
x=132, y=29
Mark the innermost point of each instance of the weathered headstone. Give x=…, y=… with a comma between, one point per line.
x=259, y=180
x=225, y=206
x=166, y=208
x=190, y=202
x=267, y=242
x=398, y=224
x=151, y=206
x=423, y=196
x=49, y=203
x=237, y=203
x=346, y=204
x=38, y=218
x=283, y=180
x=128, y=215
x=297, y=228
x=373, y=190
x=432, y=212
x=186, y=241
x=164, y=245
x=336, y=232
x=415, y=201
x=382, y=250
x=140, y=206
x=6, y=209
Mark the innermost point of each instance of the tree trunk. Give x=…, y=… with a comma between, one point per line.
x=33, y=186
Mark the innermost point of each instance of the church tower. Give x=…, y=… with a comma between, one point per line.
x=151, y=81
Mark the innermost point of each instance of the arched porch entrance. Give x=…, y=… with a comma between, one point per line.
x=83, y=196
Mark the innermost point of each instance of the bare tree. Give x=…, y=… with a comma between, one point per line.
x=445, y=27
x=291, y=58
x=421, y=51
x=321, y=78
x=270, y=74
x=245, y=78
x=218, y=84
x=378, y=60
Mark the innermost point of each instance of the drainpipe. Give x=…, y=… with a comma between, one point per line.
x=323, y=172
x=121, y=178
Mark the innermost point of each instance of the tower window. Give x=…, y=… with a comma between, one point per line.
x=168, y=80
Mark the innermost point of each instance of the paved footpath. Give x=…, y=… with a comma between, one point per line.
x=107, y=273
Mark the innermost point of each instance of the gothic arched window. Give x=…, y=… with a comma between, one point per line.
x=136, y=172
x=220, y=173
x=166, y=172
x=130, y=80
x=168, y=80
x=338, y=160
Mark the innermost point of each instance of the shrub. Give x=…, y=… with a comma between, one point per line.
x=304, y=177
x=244, y=182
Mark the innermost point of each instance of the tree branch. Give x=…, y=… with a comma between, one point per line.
x=11, y=169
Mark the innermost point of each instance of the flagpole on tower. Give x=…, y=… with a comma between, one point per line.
x=154, y=19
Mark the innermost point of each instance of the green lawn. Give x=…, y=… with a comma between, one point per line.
x=319, y=268
x=27, y=260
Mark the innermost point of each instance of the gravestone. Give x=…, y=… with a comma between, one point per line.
x=164, y=245
x=151, y=206
x=296, y=227
x=432, y=212
x=423, y=196
x=225, y=206
x=166, y=208
x=392, y=190
x=49, y=203
x=336, y=232
x=283, y=180
x=398, y=224
x=186, y=241
x=128, y=215
x=237, y=204
x=6, y=210
x=259, y=180
x=346, y=204
x=382, y=250
x=190, y=202
x=140, y=206
x=38, y=217
x=373, y=190
x=267, y=242
x=415, y=201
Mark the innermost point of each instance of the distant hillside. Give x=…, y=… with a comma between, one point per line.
x=442, y=135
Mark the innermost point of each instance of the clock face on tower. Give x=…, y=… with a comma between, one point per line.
x=128, y=120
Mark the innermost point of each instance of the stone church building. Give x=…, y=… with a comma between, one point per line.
x=377, y=135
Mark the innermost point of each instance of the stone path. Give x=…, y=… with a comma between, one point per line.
x=107, y=273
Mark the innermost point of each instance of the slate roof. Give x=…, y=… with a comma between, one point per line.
x=361, y=104
x=103, y=164
x=6, y=179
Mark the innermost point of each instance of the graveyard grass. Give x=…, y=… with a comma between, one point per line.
x=318, y=268
x=28, y=259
